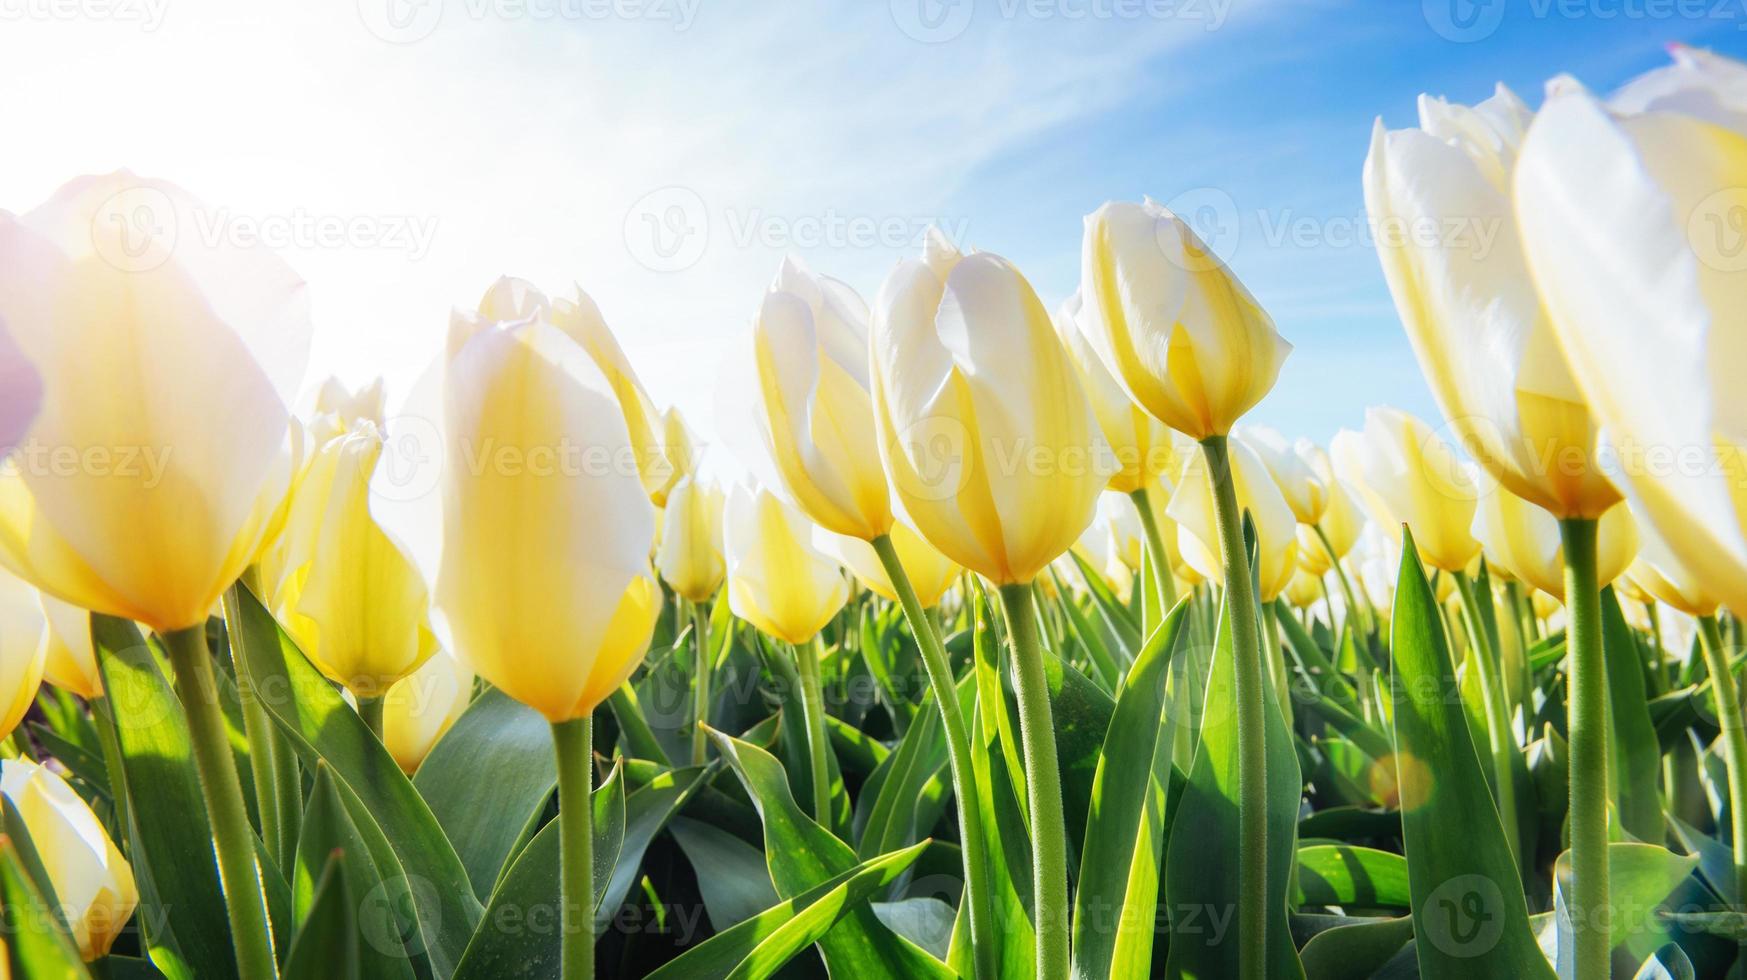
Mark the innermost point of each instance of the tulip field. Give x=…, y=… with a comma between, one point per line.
x=992, y=639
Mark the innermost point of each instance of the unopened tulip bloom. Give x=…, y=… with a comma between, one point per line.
x=69, y=662
x=1171, y=322
x=353, y=601
x=1627, y=213
x=690, y=554
x=1305, y=589
x=1193, y=507
x=537, y=559
x=984, y=427
x=992, y=448
x=1661, y=575
x=931, y=573
x=173, y=357
x=1142, y=446
x=512, y=300
x=1405, y=474
x=679, y=446
x=21, y=650
x=1299, y=483
x=1523, y=540
x=777, y=580
x=421, y=706
x=168, y=360
x=336, y=407
x=814, y=410
x=93, y=883
x=1471, y=311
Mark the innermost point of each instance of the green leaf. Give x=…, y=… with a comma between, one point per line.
x=1670, y=962
x=486, y=778
x=1125, y=833
x=759, y=946
x=1634, y=752
x=1640, y=877
x=1202, y=855
x=803, y=855
x=418, y=863
x=1122, y=620
x=1340, y=874
x=1357, y=949
x=35, y=945
x=518, y=937
x=1470, y=918
x=330, y=842
x=327, y=945
x=906, y=794
x=731, y=873
x=182, y=909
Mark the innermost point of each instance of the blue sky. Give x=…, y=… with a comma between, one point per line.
x=666, y=154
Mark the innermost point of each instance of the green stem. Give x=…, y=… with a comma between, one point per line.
x=370, y=709
x=639, y=738
x=813, y=710
x=1155, y=550
x=1252, y=923
x=1499, y=740
x=1049, y=835
x=1354, y=610
x=572, y=741
x=985, y=943
x=1587, y=725
x=232, y=837
x=104, y=713
x=272, y=765
x=1729, y=717
x=701, y=694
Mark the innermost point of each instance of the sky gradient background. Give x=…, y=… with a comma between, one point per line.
x=665, y=154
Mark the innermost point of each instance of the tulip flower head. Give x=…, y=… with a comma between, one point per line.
x=1299, y=483
x=984, y=428
x=814, y=410
x=1523, y=540
x=1472, y=313
x=70, y=662
x=1192, y=507
x=1171, y=322
x=1142, y=446
x=689, y=556
x=1406, y=474
x=777, y=580
x=931, y=573
x=168, y=362
x=93, y=883
x=1628, y=214
x=1341, y=522
x=22, y=650
x=421, y=706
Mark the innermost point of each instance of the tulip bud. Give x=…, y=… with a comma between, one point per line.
x=1341, y=522
x=814, y=409
x=777, y=581
x=539, y=555
x=931, y=573
x=1630, y=220
x=1172, y=323
x=1523, y=540
x=1303, y=489
x=1470, y=309
x=690, y=554
x=421, y=706
x=984, y=428
x=92, y=881
x=1192, y=507
x=352, y=600
x=70, y=661
x=167, y=362
x=1141, y=445
x=1305, y=589
x=1658, y=571
x=1405, y=474
x=22, y=650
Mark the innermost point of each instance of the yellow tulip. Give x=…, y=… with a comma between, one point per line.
x=336, y=407
x=1405, y=474
x=70, y=661
x=1305, y=589
x=984, y=428
x=1629, y=218
x=1302, y=486
x=512, y=300
x=93, y=883
x=1341, y=522
x=1192, y=507
x=351, y=599
x=1171, y=322
x=690, y=554
x=421, y=706
x=167, y=363
x=680, y=448
x=1477, y=326
x=22, y=650
x=777, y=580
x=536, y=529
x=1523, y=539
x=1142, y=446
x=1659, y=573
x=814, y=410
x=931, y=573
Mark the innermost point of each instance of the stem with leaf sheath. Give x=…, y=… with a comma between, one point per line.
x=233, y=840
x=1252, y=748
x=1500, y=742
x=1049, y=836
x=807, y=657
x=984, y=943
x=1587, y=724
x=701, y=677
x=1729, y=718
x=1155, y=549
x=573, y=743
